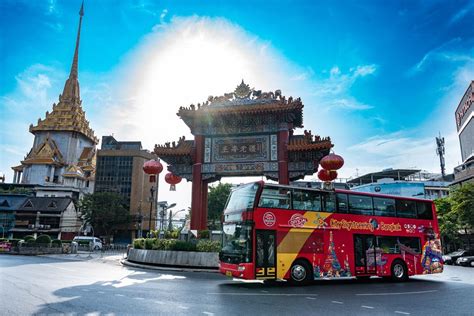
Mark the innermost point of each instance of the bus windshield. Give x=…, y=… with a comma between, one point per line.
x=237, y=243
x=242, y=198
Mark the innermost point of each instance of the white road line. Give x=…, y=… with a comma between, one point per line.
x=337, y=302
x=138, y=298
x=261, y=294
x=183, y=307
x=369, y=307
x=263, y=291
x=397, y=293
x=56, y=267
x=208, y=313
x=160, y=303
x=404, y=313
x=119, y=295
x=310, y=298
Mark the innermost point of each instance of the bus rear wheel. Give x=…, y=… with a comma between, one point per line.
x=300, y=273
x=399, y=271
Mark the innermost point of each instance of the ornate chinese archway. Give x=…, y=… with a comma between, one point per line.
x=243, y=133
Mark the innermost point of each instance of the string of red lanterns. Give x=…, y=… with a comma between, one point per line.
x=330, y=164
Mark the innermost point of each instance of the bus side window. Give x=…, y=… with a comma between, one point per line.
x=424, y=210
x=360, y=204
x=329, y=201
x=274, y=197
x=384, y=207
x=342, y=205
x=306, y=200
x=406, y=208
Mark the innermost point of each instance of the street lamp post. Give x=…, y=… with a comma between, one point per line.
x=152, y=195
x=170, y=223
x=162, y=216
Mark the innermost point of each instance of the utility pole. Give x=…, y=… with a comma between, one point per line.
x=440, y=152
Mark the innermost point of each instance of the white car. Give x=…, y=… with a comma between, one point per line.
x=96, y=242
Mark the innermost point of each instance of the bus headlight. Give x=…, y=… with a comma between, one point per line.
x=241, y=268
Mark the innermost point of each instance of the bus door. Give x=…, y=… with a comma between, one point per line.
x=265, y=255
x=365, y=254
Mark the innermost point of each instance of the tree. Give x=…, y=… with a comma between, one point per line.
x=463, y=206
x=104, y=211
x=217, y=199
x=456, y=213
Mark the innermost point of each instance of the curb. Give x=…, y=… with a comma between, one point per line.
x=127, y=263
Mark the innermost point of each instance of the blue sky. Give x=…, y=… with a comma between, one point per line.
x=382, y=78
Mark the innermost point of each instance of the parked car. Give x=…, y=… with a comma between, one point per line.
x=451, y=258
x=96, y=242
x=466, y=261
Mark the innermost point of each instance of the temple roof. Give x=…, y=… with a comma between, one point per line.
x=182, y=148
x=244, y=101
x=68, y=115
x=308, y=142
x=46, y=153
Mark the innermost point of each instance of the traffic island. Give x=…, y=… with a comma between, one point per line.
x=175, y=259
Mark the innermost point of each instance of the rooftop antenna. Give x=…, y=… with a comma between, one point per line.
x=440, y=152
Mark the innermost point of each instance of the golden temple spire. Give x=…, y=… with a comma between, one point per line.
x=71, y=90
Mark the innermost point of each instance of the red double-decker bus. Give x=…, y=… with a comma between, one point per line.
x=300, y=234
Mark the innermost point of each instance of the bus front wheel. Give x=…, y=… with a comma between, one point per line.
x=300, y=272
x=399, y=271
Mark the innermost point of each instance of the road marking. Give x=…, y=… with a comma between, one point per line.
x=369, y=307
x=263, y=291
x=138, y=298
x=56, y=267
x=399, y=293
x=160, y=302
x=208, y=313
x=404, y=313
x=101, y=292
x=183, y=307
x=119, y=295
x=337, y=302
x=310, y=298
x=85, y=290
x=261, y=294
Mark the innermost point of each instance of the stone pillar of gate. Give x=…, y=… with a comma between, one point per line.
x=283, y=176
x=197, y=195
x=204, y=188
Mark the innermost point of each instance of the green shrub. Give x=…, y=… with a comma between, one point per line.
x=203, y=234
x=208, y=246
x=139, y=243
x=184, y=246
x=28, y=237
x=43, y=240
x=149, y=243
x=66, y=241
x=30, y=242
x=56, y=243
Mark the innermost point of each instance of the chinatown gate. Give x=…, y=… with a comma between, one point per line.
x=243, y=133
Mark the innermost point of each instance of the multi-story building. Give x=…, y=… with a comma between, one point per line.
x=23, y=215
x=120, y=170
x=63, y=151
x=465, y=126
x=403, y=182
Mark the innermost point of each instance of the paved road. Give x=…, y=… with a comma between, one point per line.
x=45, y=285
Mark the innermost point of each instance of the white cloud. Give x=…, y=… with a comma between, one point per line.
x=334, y=92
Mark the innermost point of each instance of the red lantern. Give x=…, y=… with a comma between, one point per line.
x=327, y=175
x=332, y=162
x=173, y=180
x=152, y=167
